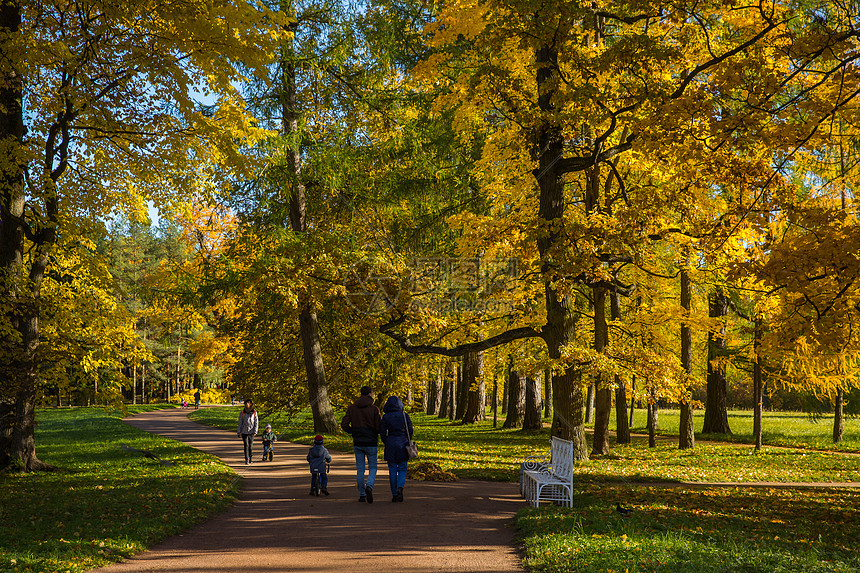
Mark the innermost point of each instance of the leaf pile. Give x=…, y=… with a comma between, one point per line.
x=428, y=471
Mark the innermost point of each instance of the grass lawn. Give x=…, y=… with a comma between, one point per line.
x=103, y=503
x=686, y=530
x=792, y=429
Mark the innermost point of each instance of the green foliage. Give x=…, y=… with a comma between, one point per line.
x=103, y=503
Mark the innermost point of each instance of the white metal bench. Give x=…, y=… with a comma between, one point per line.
x=549, y=479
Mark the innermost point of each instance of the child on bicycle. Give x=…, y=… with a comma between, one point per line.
x=319, y=458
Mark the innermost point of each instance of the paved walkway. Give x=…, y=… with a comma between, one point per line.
x=275, y=526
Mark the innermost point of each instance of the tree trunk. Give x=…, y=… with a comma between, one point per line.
x=838, y=419
x=516, y=399
x=473, y=380
x=444, y=399
x=504, y=391
x=622, y=426
x=434, y=392
x=463, y=387
x=7, y=426
x=716, y=407
x=425, y=394
x=323, y=414
x=482, y=390
x=452, y=392
x=603, y=397
x=686, y=434
x=495, y=400
x=632, y=399
x=653, y=424
x=18, y=362
x=757, y=385
x=547, y=393
x=547, y=149
x=533, y=419
x=589, y=403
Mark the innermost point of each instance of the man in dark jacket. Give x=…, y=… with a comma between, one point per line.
x=362, y=420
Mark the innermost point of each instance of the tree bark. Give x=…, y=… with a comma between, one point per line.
x=444, y=400
x=434, y=392
x=686, y=435
x=590, y=399
x=425, y=394
x=547, y=393
x=716, y=407
x=533, y=419
x=473, y=380
x=18, y=362
x=603, y=395
x=547, y=149
x=632, y=400
x=452, y=391
x=495, y=400
x=505, y=386
x=516, y=399
x=757, y=384
x=622, y=426
x=838, y=418
x=323, y=414
x=462, y=389
x=653, y=420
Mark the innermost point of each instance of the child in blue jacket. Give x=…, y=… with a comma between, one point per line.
x=269, y=439
x=319, y=458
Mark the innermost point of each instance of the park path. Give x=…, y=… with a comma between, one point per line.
x=276, y=526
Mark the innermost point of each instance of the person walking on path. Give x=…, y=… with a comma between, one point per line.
x=396, y=431
x=362, y=421
x=249, y=423
x=319, y=458
x=197, y=399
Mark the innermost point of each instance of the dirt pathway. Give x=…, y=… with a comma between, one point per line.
x=276, y=526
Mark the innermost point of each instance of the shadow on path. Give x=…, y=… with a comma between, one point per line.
x=276, y=526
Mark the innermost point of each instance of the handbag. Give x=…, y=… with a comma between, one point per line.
x=411, y=446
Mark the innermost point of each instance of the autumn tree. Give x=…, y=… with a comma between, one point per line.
x=110, y=120
x=688, y=89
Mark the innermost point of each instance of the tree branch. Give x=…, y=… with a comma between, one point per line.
x=461, y=349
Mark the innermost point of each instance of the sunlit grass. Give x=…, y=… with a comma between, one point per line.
x=793, y=429
x=680, y=530
x=103, y=503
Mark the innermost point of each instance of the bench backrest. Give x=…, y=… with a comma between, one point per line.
x=561, y=452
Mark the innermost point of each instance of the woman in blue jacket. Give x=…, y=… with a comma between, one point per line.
x=396, y=432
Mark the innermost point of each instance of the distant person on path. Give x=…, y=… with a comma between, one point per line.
x=269, y=439
x=249, y=422
x=318, y=458
x=184, y=403
x=362, y=421
x=396, y=430
x=197, y=399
